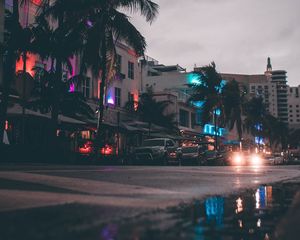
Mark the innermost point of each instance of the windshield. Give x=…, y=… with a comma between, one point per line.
x=154, y=142
x=190, y=149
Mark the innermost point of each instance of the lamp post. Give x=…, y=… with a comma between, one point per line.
x=217, y=112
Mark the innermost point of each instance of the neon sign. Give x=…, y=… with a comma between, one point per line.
x=209, y=129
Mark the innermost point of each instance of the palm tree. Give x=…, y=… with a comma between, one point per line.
x=255, y=113
x=233, y=100
x=154, y=112
x=107, y=26
x=58, y=45
x=11, y=45
x=71, y=103
x=276, y=131
x=207, y=88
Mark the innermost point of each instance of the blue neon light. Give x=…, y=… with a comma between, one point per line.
x=198, y=104
x=209, y=129
x=217, y=111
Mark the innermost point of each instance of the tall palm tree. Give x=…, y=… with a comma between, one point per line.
x=207, y=88
x=57, y=44
x=276, y=131
x=71, y=103
x=255, y=113
x=233, y=100
x=11, y=47
x=107, y=26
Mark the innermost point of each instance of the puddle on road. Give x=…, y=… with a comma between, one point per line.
x=254, y=214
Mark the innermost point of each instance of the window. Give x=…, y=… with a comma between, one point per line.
x=297, y=106
x=193, y=120
x=119, y=63
x=118, y=97
x=170, y=143
x=86, y=87
x=131, y=70
x=198, y=116
x=184, y=118
x=130, y=97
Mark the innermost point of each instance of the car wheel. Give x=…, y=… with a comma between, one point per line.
x=164, y=160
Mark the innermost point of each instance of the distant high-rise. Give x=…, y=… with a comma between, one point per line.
x=2, y=4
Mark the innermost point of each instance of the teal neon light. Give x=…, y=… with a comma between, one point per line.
x=209, y=129
x=194, y=79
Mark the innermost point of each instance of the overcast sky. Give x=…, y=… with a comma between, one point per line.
x=238, y=35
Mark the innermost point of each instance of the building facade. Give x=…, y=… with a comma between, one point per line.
x=270, y=86
x=294, y=107
x=2, y=7
x=169, y=83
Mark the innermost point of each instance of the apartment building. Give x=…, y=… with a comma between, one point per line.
x=2, y=7
x=169, y=83
x=122, y=87
x=270, y=86
x=294, y=107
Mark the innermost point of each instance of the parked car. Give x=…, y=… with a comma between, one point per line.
x=157, y=150
x=191, y=155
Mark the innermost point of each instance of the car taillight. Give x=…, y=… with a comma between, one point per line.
x=172, y=154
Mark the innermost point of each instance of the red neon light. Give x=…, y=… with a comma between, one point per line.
x=86, y=148
x=6, y=125
x=37, y=2
x=107, y=150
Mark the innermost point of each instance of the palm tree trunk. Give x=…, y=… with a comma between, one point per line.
x=56, y=90
x=102, y=91
x=149, y=129
x=24, y=97
x=9, y=71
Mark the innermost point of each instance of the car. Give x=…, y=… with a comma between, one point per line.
x=157, y=150
x=245, y=158
x=191, y=155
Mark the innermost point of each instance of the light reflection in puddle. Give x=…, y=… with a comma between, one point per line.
x=249, y=215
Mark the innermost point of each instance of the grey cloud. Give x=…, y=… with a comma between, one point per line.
x=237, y=35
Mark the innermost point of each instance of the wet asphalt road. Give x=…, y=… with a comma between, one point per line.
x=78, y=201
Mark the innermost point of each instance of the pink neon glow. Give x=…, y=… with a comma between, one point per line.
x=73, y=63
x=72, y=87
x=110, y=101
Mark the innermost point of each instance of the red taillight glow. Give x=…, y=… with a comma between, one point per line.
x=172, y=154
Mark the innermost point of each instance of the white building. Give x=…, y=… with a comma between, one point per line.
x=170, y=83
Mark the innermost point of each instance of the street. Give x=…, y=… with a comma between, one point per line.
x=82, y=197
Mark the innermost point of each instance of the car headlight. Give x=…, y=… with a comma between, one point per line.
x=255, y=160
x=238, y=159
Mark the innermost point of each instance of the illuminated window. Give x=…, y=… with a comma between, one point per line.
x=86, y=87
x=118, y=97
x=131, y=70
